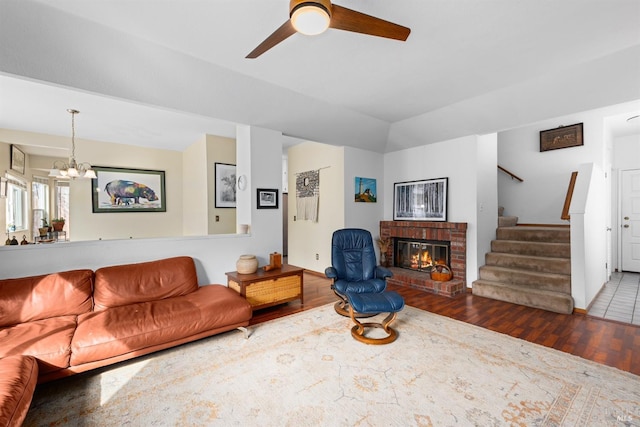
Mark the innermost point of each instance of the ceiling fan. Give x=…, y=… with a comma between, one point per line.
x=315, y=16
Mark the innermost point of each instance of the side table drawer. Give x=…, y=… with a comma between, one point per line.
x=266, y=292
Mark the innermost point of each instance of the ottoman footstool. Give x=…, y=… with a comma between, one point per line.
x=385, y=302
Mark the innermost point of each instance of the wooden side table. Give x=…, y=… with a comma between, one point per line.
x=267, y=288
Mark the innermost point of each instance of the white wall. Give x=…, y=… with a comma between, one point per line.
x=4, y=165
x=457, y=160
x=89, y=226
x=189, y=186
x=265, y=159
x=306, y=238
x=487, y=194
x=540, y=198
x=588, y=235
x=214, y=254
x=363, y=164
x=219, y=150
x=243, y=168
x=194, y=189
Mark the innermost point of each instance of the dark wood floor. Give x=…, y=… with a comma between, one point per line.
x=604, y=341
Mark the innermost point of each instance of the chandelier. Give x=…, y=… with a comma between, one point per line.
x=73, y=169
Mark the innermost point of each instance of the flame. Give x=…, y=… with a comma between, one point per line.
x=425, y=260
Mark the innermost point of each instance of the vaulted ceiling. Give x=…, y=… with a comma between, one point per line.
x=161, y=72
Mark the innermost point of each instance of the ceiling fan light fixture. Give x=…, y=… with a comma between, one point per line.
x=310, y=17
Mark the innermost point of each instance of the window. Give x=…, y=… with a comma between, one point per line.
x=17, y=205
x=39, y=202
x=62, y=203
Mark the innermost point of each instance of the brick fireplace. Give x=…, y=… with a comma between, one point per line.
x=454, y=233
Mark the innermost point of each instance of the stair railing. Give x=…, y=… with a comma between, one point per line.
x=511, y=174
x=567, y=200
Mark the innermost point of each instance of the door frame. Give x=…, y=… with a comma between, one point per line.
x=619, y=216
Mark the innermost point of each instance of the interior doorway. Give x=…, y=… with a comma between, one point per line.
x=630, y=220
x=285, y=224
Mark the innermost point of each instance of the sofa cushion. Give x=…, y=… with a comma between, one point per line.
x=18, y=377
x=48, y=340
x=148, y=281
x=39, y=297
x=119, y=330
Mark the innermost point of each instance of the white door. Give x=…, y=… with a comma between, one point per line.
x=630, y=220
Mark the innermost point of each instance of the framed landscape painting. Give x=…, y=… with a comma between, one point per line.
x=128, y=190
x=424, y=200
x=365, y=190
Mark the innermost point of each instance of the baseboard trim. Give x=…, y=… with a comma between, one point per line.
x=314, y=273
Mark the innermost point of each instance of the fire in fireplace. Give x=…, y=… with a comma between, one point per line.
x=419, y=255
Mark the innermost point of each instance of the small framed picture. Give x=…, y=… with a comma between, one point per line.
x=267, y=198
x=17, y=159
x=562, y=137
x=365, y=190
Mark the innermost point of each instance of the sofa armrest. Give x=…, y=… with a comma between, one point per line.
x=18, y=378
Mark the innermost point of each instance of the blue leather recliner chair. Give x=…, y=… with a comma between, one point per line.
x=353, y=266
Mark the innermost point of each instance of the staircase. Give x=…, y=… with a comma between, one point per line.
x=506, y=221
x=529, y=266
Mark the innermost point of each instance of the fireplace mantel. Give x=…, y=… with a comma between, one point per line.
x=453, y=232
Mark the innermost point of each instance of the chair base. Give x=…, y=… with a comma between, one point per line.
x=359, y=329
x=386, y=302
x=342, y=308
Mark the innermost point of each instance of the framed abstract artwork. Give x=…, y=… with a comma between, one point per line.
x=128, y=190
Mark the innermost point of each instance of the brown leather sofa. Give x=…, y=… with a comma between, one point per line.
x=79, y=320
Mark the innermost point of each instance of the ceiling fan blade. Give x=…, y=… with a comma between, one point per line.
x=285, y=31
x=357, y=22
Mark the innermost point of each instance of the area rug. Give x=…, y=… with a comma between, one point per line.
x=307, y=370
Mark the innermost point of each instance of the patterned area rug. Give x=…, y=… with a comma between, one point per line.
x=306, y=370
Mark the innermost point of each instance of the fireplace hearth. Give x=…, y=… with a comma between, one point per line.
x=451, y=234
